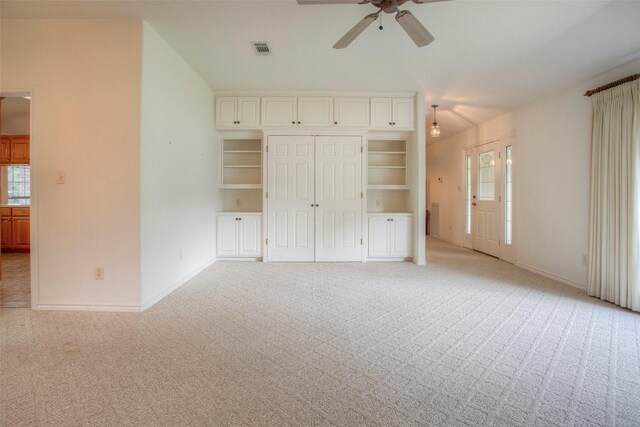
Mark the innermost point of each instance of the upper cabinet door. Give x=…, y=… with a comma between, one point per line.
x=226, y=108
x=403, y=113
x=381, y=113
x=279, y=111
x=248, y=111
x=351, y=112
x=315, y=111
x=20, y=150
x=5, y=150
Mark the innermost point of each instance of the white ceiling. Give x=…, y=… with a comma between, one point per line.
x=488, y=57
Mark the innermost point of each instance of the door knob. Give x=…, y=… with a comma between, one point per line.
x=474, y=203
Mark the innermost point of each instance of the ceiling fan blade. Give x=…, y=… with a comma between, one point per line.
x=355, y=31
x=413, y=27
x=332, y=1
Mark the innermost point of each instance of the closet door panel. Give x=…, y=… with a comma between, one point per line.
x=291, y=198
x=338, y=187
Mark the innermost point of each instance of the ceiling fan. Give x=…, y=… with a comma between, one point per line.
x=413, y=27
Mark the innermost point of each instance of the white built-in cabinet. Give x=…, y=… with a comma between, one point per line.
x=315, y=176
x=392, y=113
x=239, y=235
x=338, y=111
x=390, y=236
x=237, y=111
x=292, y=111
x=349, y=112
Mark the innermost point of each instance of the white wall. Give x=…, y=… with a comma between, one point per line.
x=86, y=112
x=178, y=170
x=551, y=165
x=15, y=116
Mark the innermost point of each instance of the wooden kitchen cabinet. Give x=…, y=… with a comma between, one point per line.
x=16, y=228
x=15, y=149
x=7, y=233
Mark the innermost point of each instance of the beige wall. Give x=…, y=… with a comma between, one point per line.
x=87, y=77
x=179, y=165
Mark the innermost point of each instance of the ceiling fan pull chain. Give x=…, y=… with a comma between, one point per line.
x=381, y=27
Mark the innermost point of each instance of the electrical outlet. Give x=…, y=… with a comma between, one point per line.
x=238, y=203
x=99, y=273
x=378, y=202
x=584, y=259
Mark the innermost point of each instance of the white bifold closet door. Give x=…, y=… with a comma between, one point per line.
x=314, y=205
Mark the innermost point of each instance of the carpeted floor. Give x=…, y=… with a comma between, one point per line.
x=15, y=286
x=466, y=340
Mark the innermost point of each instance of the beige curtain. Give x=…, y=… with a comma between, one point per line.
x=614, y=267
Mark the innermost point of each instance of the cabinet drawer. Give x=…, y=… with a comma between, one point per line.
x=5, y=211
x=20, y=211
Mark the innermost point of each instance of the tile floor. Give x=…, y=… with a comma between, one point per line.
x=15, y=286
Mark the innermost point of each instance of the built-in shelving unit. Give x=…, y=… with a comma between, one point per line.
x=241, y=163
x=387, y=180
x=387, y=165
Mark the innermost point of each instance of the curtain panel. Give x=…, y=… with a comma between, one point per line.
x=614, y=264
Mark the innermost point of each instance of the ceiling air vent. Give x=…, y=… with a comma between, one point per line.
x=261, y=48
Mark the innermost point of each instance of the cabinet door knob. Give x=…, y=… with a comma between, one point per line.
x=293, y=123
x=298, y=122
x=335, y=123
x=317, y=205
x=390, y=123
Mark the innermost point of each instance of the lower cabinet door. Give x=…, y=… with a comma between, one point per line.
x=227, y=236
x=400, y=237
x=378, y=236
x=7, y=233
x=21, y=233
x=249, y=244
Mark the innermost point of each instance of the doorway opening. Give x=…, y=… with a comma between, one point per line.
x=15, y=200
x=489, y=199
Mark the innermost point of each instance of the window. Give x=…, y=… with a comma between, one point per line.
x=486, y=176
x=468, y=199
x=19, y=184
x=508, y=196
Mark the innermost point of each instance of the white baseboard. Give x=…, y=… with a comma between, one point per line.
x=175, y=286
x=87, y=307
x=448, y=240
x=551, y=276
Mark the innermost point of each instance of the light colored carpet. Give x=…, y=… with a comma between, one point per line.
x=15, y=286
x=466, y=340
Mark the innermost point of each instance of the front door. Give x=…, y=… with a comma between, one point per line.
x=486, y=200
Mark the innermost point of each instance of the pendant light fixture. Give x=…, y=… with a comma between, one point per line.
x=435, y=127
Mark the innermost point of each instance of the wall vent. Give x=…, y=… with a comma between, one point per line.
x=261, y=48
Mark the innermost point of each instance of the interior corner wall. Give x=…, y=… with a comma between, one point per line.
x=15, y=116
x=552, y=178
x=178, y=170
x=417, y=178
x=86, y=103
